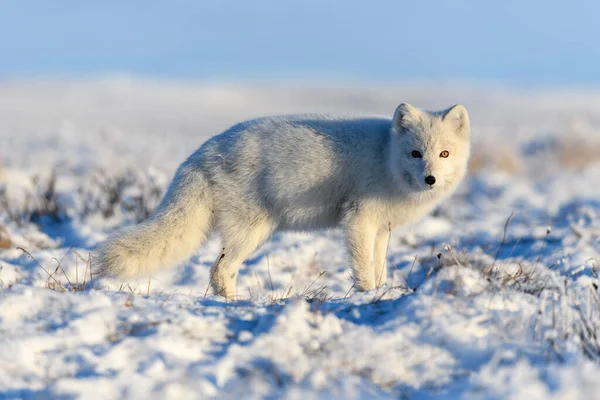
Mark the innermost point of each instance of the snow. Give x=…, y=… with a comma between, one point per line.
x=495, y=295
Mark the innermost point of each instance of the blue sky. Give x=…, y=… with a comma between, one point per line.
x=517, y=42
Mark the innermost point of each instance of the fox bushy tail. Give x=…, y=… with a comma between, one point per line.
x=171, y=235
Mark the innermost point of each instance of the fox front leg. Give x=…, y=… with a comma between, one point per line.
x=379, y=255
x=360, y=237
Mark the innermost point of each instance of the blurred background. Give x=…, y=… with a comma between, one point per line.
x=516, y=42
x=87, y=83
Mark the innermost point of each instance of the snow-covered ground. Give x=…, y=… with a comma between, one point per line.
x=495, y=295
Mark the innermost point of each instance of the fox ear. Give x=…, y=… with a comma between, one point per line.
x=405, y=117
x=458, y=118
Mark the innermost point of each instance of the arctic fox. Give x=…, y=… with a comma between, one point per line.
x=365, y=175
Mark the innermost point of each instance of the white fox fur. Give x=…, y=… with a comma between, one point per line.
x=303, y=172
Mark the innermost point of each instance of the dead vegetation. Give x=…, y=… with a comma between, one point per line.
x=564, y=312
x=577, y=155
x=35, y=205
x=500, y=159
x=54, y=274
x=539, y=155
x=129, y=193
x=5, y=242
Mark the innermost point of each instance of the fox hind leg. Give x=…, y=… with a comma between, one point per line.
x=239, y=241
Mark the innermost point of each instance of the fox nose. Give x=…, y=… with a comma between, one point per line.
x=430, y=180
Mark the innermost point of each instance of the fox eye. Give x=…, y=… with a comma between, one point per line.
x=444, y=154
x=416, y=154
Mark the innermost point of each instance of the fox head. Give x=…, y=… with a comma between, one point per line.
x=429, y=149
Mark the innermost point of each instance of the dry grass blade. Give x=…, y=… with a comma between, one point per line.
x=91, y=274
x=506, y=225
x=213, y=270
x=307, y=289
x=269, y=272
x=58, y=266
x=387, y=248
x=349, y=290
x=539, y=257
x=316, y=293
x=43, y=269
x=87, y=265
x=406, y=279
